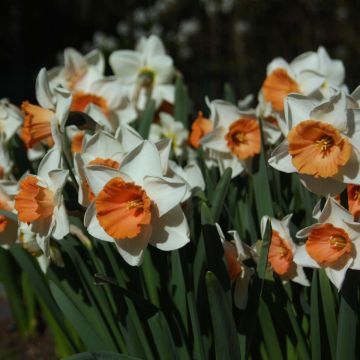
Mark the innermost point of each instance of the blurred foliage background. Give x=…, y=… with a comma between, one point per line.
x=211, y=41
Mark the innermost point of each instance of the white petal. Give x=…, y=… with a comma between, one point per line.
x=215, y=140
x=356, y=263
x=164, y=148
x=44, y=95
x=277, y=63
x=163, y=67
x=171, y=231
x=225, y=113
x=300, y=276
x=333, y=111
x=103, y=145
x=61, y=228
x=322, y=187
x=142, y=161
x=297, y=108
x=281, y=159
x=50, y=161
x=194, y=176
x=128, y=137
x=310, y=81
x=98, y=116
x=73, y=60
x=126, y=64
x=302, y=258
x=337, y=277
x=132, y=250
x=95, y=58
x=58, y=179
x=305, y=61
x=303, y=233
x=98, y=176
x=63, y=104
x=93, y=226
x=151, y=46
x=165, y=192
x=334, y=213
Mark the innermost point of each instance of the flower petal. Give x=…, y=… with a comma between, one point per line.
x=171, y=231
x=165, y=192
x=44, y=95
x=302, y=258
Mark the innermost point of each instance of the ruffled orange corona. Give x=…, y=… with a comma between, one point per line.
x=353, y=193
x=326, y=244
x=318, y=149
x=122, y=208
x=33, y=202
x=199, y=128
x=280, y=254
x=105, y=162
x=37, y=125
x=277, y=86
x=243, y=138
x=81, y=100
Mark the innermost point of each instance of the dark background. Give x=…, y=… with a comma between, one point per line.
x=234, y=41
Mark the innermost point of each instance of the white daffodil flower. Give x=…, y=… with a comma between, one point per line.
x=333, y=243
x=10, y=119
x=146, y=70
x=54, y=107
x=171, y=129
x=5, y=162
x=40, y=203
x=79, y=71
x=299, y=76
x=235, y=138
x=136, y=205
x=236, y=252
x=322, y=143
x=282, y=250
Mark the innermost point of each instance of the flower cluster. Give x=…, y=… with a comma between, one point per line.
x=135, y=188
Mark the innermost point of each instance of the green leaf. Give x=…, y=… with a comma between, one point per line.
x=9, y=215
x=220, y=192
x=269, y=332
x=348, y=318
x=84, y=328
x=315, y=334
x=162, y=337
x=181, y=110
x=263, y=261
x=224, y=330
x=101, y=355
x=328, y=303
x=260, y=178
x=41, y=288
x=146, y=119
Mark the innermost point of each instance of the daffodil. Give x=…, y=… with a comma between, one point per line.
x=322, y=143
x=235, y=138
x=79, y=71
x=136, y=205
x=54, y=107
x=145, y=71
x=236, y=252
x=171, y=129
x=282, y=250
x=332, y=244
x=39, y=201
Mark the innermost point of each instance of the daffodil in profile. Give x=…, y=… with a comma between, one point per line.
x=282, y=250
x=39, y=201
x=235, y=138
x=322, y=143
x=333, y=243
x=136, y=205
x=235, y=252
